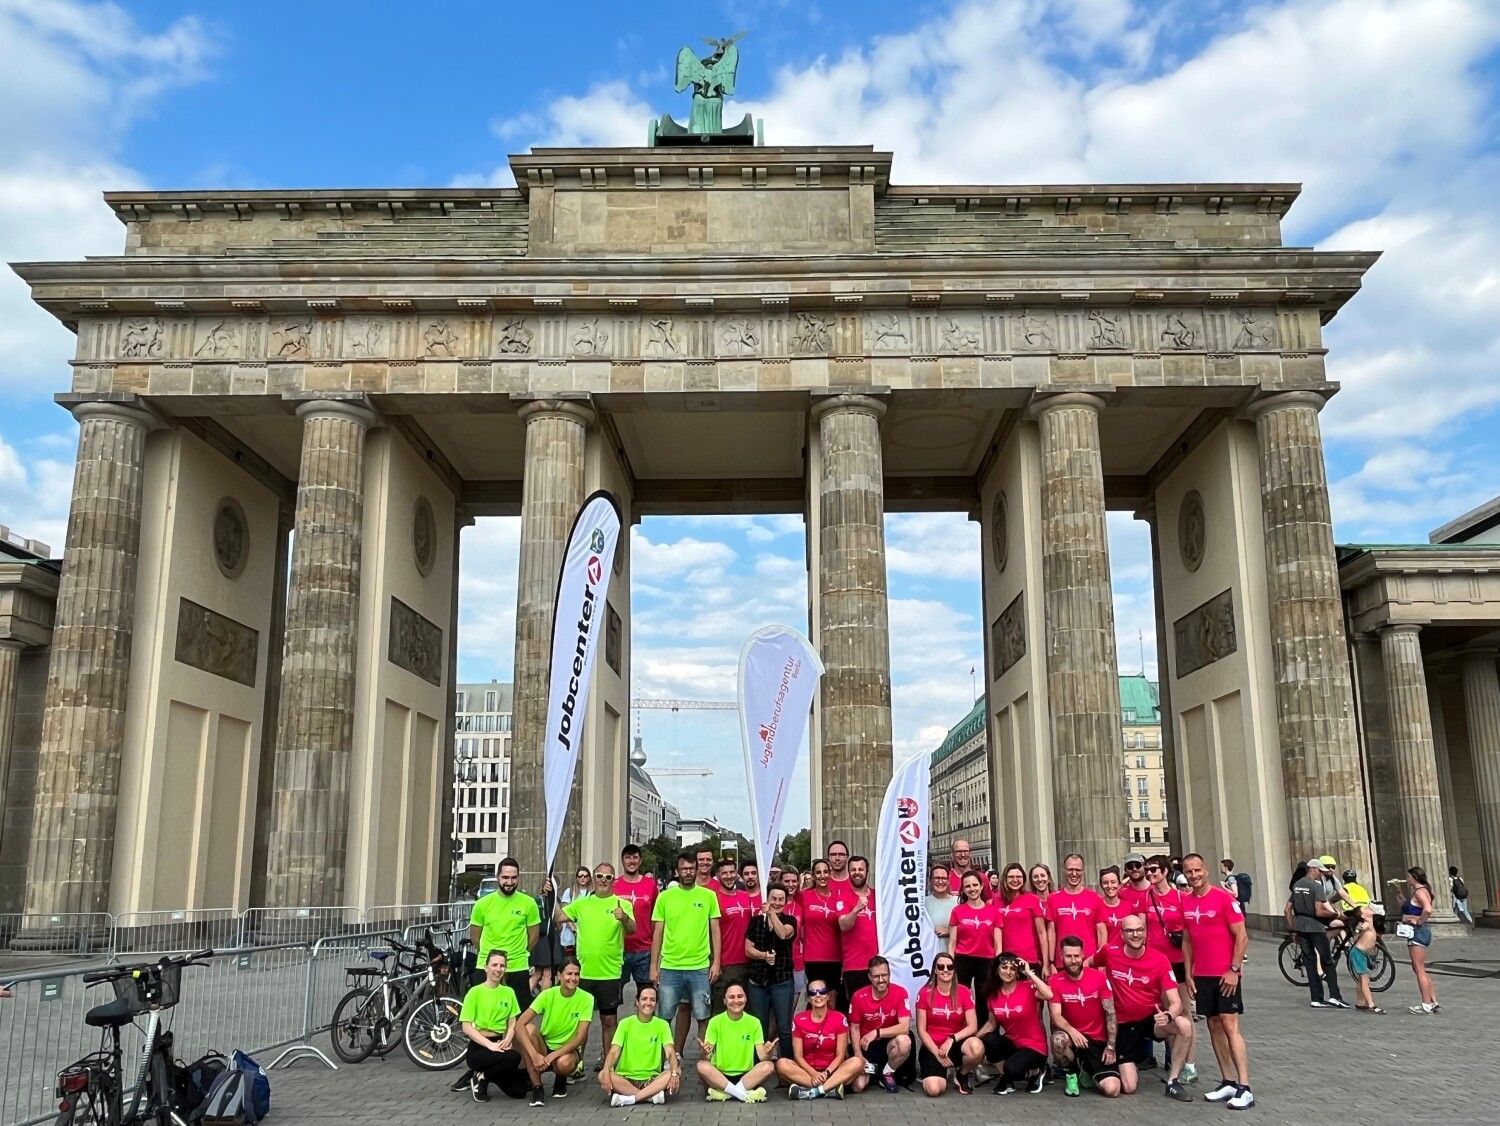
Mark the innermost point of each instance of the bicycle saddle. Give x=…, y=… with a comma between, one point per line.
x=111, y=1014
x=380, y=955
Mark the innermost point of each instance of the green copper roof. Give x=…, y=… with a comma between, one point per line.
x=1139, y=705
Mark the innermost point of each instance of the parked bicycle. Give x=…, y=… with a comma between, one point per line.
x=1294, y=966
x=92, y=1090
x=415, y=1003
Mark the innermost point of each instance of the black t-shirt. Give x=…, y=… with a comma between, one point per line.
x=763, y=938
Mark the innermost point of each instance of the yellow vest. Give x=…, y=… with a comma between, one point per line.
x=1357, y=894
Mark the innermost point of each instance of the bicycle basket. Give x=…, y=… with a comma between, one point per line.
x=149, y=987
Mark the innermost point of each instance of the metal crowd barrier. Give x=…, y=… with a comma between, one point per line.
x=255, y=994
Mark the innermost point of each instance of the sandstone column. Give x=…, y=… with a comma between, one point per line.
x=1482, y=709
x=1164, y=678
x=1416, y=763
x=10, y=660
x=1082, y=671
x=551, y=495
x=315, y=725
x=854, y=634
x=1314, y=702
x=78, y=762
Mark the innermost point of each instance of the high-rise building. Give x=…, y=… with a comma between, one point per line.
x=1145, y=780
x=481, y=776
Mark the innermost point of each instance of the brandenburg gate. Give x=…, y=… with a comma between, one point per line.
x=290, y=402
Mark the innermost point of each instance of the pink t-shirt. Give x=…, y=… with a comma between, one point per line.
x=794, y=910
x=1134, y=898
x=821, y=939
x=757, y=901
x=1018, y=926
x=861, y=942
x=1163, y=914
x=734, y=922
x=820, y=1039
x=956, y=883
x=1082, y=1000
x=945, y=1015
x=641, y=892
x=1075, y=913
x=1018, y=1014
x=842, y=887
x=1112, y=918
x=973, y=930
x=1137, y=983
x=1208, y=918
x=869, y=1014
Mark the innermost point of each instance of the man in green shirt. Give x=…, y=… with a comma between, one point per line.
x=602, y=920
x=552, y=1031
x=685, y=948
x=507, y=919
x=633, y=1070
x=488, y=1021
x=735, y=1055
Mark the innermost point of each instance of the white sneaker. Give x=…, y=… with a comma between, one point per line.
x=1189, y=1073
x=659, y=1098
x=618, y=1100
x=1243, y=1100
x=1223, y=1092
x=1423, y=1010
x=1319, y=1005
x=1338, y=1003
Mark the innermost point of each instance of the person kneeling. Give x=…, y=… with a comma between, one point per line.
x=736, y=1057
x=642, y=1063
x=1012, y=1038
x=881, y=1020
x=552, y=1032
x=1084, y=1026
x=820, y=1063
x=488, y=1019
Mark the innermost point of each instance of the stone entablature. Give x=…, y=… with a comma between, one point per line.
x=1420, y=585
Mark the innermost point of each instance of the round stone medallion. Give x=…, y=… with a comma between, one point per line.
x=424, y=536
x=1192, y=530
x=999, y=534
x=231, y=537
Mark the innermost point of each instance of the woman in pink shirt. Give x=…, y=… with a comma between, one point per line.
x=1041, y=882
x=822, y=944
x=1012, y=1037
x=820, y=1063
x=945, y=1020
x=971, y=935
x=1162, y=906
x=1115, y=908
x=1023, y=930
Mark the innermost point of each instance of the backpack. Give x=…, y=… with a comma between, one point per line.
x=192, y=1082
x=241, y=1095
x=1243, y=880
x=1460, y=889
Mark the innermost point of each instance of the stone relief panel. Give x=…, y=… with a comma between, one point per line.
x=1205, y=635
x=231, y=537
x=1000, y=533
x=142, y=339
x=209, y=641
x=1255, y=332
x=588, y=336
x=1179, y=330
x=738, y=336
x=1192, y=530
x=514, y=335
x=423, y=536
x=216, y=339
x=292, y=339
x=613, y=636
x=887, y=331
x=1008, y=635
x=1033, y=330
x=663, y=339
x=416, y=644
x=365, y=337
x=812, y=334
x=439, y=340
x=1106, y=330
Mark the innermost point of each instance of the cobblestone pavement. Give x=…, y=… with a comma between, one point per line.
x=1307, y=1065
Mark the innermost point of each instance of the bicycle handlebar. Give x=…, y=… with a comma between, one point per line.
x=117, y=972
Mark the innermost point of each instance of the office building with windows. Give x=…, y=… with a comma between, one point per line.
x=481, y=775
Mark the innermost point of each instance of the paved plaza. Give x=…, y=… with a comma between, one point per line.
x=1306, y=1066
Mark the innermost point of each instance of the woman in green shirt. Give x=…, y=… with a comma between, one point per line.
x=552, y=1032
x=633, y=1071
x=736, y=1057
x=488, y=1019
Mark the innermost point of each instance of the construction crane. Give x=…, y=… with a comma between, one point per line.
x=684, y=705
x=638, y=755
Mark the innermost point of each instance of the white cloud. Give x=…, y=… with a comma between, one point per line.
x=932, y=545
x=36, y=493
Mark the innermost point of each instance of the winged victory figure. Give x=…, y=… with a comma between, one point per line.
x=711, y=78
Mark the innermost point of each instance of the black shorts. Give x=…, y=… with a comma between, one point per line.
x=998, y=1046
x=877, y=1054
x=1211, y=1003
x=606, y=994
x=1133, y=1037
x=1090, y=1061
x=928, y=1066
x=1179, y=973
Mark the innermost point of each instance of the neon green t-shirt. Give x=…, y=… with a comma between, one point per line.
x=488, y=1007
x=734, y=1042
x=641, y=1043
x=558, y=1017
x=684, y=915
x=601, y=936
x=503, y=921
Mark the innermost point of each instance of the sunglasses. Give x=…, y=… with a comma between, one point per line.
x=946, y=968
x=605, y=876
x=1132, y=864
x=1153, y=867
x=817, y=992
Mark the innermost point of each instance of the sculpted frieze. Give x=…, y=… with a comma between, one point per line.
x=514, y=336
x=738, y=336
x=887, y=332
x=219, y=341
x=292, y=339
x=439, y=341
x=662, y=337
x=812, y=334
x=142, y=340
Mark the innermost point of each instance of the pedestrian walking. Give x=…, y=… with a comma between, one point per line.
x=1460, y=892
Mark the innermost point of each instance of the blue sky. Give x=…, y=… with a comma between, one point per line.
x=1386, y=113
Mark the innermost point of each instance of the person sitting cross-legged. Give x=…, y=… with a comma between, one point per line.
x=552, y=1032
x=642, y=1064
x=736, y=1057
x=820, y=1063
x=488, y=1020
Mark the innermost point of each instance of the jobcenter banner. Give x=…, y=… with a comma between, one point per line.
x=907, y=939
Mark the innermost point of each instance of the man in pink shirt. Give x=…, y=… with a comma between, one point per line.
x=640, y=890
x=838, y=864
x=735, y=913
x=1213, y=953
x=861, y=939
x=750, y=881
x=1136, y=887
x=1084, y=1025
x=880, y=1016
x=1148, y=1007
x=1074, y=910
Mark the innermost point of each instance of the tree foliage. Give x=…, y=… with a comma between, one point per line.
x=796, y=849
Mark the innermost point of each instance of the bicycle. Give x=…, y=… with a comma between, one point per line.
x=1294, y=967
x=370, y=1021
x=92, y=1089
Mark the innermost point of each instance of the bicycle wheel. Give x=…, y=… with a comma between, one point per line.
x=1289, y=958
x=91, y=1106
x=1382, y=967
x=434, y=1039
x=390, y=1030
x=353, y=1028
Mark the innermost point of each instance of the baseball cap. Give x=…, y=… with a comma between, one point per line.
x=1329, y=863
x=1316, y=862
x=1135, y=858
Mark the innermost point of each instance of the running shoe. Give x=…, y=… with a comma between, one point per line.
x=798, y=1091
x=659, y=1098
x=559, y=1088
x=1175, y=1090
x=537, y=1098
x=1319, y=1005
x=964, y=1083
x=1070, y=1085
x=1223, y=1092
x=1003, y=1086
x=1337, y=1003
x=1038, y=1083
x=1243, y=1100
x=836, y=1093
x=614, y=1100
x=462, y=1083
x=888, y=1082
x=1422, y=1010
x=1189, y=1074
x=717, y=1096
x=755, y=1095
x=480, y=1089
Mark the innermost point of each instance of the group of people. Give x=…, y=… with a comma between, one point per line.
x=1030, y=982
